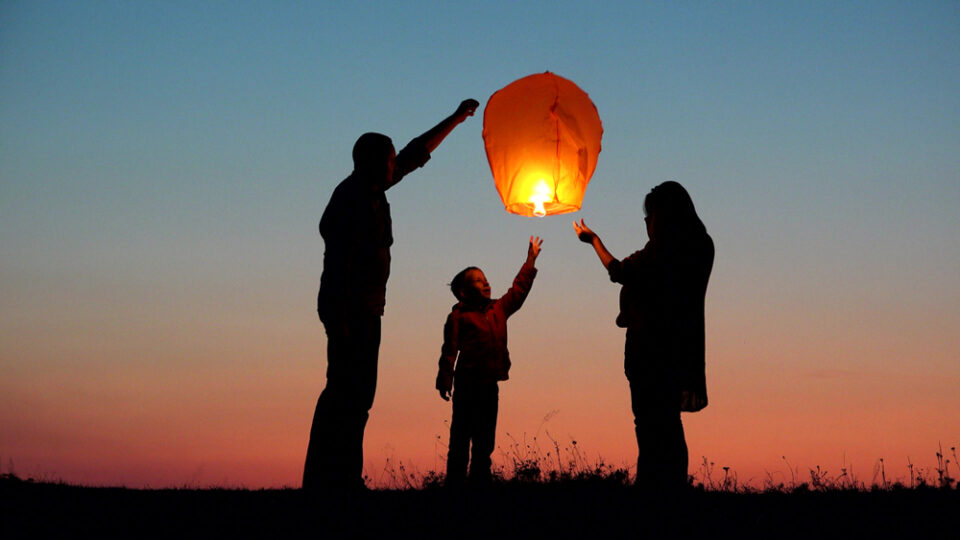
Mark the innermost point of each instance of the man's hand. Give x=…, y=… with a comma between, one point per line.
x=534, y=248
x=435, y=135
x=466, y=108
x=445, y=394
x=583, y=232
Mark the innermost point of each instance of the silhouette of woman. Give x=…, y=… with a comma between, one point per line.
x=661, y=306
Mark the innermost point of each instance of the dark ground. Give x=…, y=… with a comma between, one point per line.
x=591, y=510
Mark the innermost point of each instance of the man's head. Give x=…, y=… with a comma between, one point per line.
x=470, y=285
x=374, y=157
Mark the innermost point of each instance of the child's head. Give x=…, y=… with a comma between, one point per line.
x=470, y=285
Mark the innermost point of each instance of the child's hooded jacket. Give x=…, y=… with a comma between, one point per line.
x=479, y=334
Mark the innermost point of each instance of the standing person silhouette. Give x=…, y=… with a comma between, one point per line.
x=357, y=234
x=662, y=308
x=474, y=356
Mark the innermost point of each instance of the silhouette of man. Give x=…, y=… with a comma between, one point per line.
x=357, y=234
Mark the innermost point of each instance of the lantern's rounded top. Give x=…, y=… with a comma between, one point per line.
x=542, y=135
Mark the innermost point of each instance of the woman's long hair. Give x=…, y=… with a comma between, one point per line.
x=676, y=224
x=680, y=241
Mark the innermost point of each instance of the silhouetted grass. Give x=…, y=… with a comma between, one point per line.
x=554, y=490
x=524, y=461
x=519, y=462
x=512, y=508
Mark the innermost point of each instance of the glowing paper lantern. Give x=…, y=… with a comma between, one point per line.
x=542, y=134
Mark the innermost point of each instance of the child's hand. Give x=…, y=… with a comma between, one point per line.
x=583, y=232
x=534, y=249
x=445, y=384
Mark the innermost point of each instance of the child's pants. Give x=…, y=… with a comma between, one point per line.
x=474, y=420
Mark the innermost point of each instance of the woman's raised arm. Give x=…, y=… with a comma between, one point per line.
x=586, y=235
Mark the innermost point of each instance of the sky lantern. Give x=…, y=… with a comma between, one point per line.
x=542, y=134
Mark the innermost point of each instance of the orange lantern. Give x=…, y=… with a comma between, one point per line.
x=542, y=134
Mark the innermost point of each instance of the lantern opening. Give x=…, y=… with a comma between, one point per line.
x=541, y=194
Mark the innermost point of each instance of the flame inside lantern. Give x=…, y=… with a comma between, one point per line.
x=541, y=194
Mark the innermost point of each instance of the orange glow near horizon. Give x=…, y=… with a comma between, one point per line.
x=197, y=393
x=245, y=424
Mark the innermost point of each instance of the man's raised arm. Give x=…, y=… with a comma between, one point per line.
x=432, y=138
x=417, y=152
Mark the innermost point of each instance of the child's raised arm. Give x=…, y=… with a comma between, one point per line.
x=524, y=280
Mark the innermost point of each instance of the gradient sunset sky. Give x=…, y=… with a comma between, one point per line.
x=163, y=167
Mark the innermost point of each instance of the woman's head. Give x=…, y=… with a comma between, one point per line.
x=670, y=214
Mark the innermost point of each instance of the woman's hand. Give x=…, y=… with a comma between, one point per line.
x=584, y=233
x=587, y=236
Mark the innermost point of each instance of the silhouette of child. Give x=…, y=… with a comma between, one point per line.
x=477, y=329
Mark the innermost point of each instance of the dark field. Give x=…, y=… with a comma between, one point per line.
x=513, y=509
